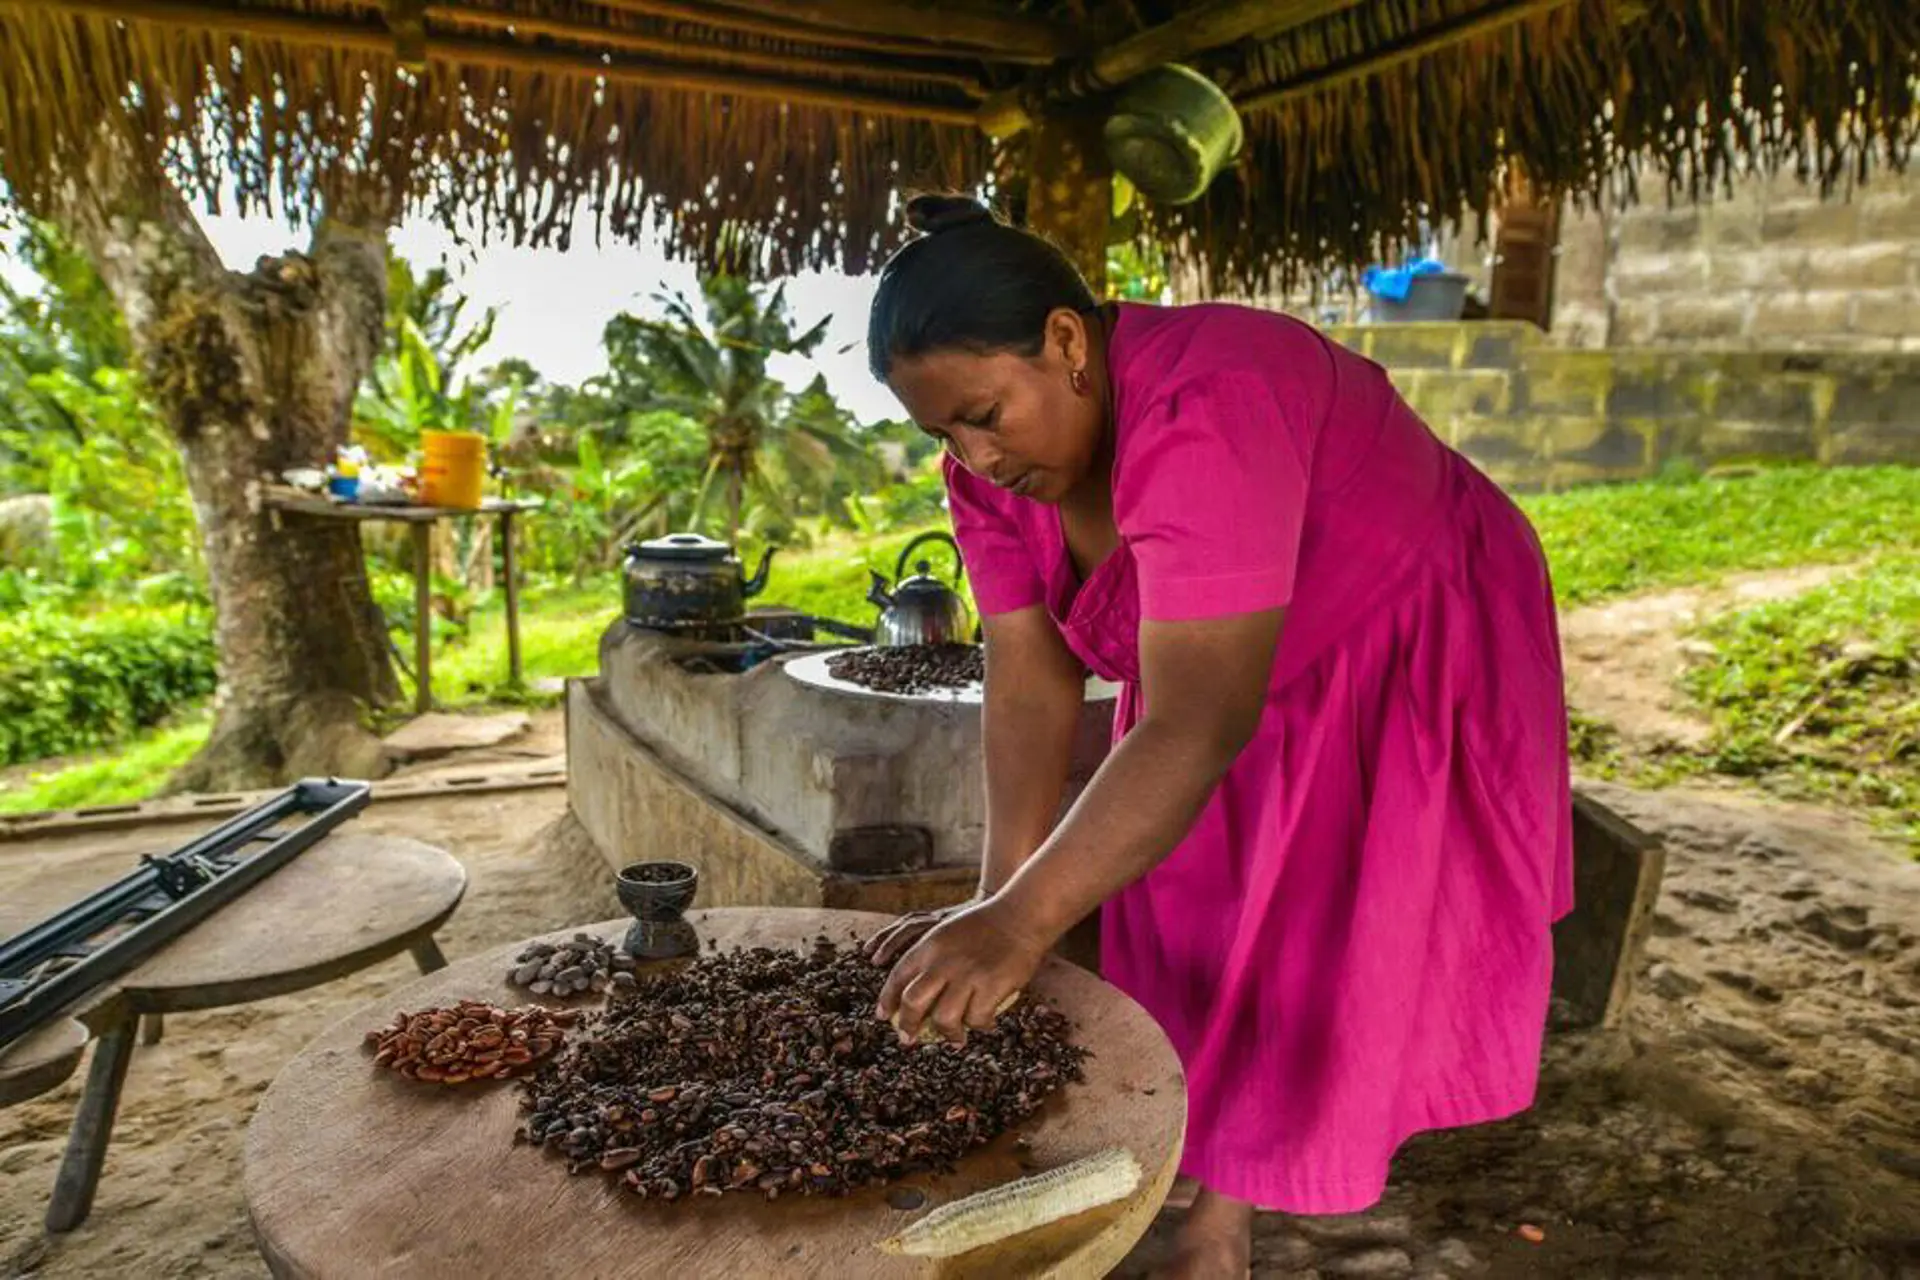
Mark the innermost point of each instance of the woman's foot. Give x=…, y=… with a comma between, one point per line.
x=1214, y=1243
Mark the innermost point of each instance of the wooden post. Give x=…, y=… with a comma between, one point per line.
x=510, y=570
x=1070, y=192
x=423, y=616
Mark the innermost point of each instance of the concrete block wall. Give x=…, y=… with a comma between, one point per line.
x=1537, y=416
x=1768, y=265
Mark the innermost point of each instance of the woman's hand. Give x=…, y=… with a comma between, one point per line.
x=962, y=970
x=892, y=942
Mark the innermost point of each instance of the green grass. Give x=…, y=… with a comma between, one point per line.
x=1819, y=695
x=130, y=772
x=1601, y=542
x=1624, y=538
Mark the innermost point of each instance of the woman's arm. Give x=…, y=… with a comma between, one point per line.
x=1205, y=685
x=1035, y=687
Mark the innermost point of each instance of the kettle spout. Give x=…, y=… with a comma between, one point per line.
x=758, y=582
x=878, y=595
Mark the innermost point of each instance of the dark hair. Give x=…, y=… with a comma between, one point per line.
x=968, y=280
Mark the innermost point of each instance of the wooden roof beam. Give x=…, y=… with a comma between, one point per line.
x=1419, y=45
x=988, y=28
x=722, y=17
x=312, y=30
x=1211, y=26
x=625, y=41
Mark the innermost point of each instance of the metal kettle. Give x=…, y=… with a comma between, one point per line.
x=920, y=609
x=687, y=580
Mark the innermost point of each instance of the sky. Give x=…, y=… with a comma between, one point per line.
x=553, y=304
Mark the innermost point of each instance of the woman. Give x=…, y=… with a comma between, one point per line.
x=1335, y=827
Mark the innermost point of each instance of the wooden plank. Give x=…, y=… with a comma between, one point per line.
x=286, y=498
x=337, y=1157
x=1617, y=870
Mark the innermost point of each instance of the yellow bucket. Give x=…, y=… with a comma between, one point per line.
x=453, y=466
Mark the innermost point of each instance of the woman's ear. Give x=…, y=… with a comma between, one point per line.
x=1066, y=337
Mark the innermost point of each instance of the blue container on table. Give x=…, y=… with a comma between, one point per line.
x=345, y=488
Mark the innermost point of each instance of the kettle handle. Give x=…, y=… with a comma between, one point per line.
x=931, y=535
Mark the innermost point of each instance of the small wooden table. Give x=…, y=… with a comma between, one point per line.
x=352, y=1171
x=348, y=903
x=284, y=498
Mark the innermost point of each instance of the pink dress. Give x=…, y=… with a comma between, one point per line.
x=1352, y=944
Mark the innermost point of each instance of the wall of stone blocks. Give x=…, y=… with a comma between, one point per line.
x=1534, y=415
x=1769, y=265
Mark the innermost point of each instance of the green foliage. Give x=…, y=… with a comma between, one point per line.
x=121, y=517
x=1608, y=540
x=417, y=384
x=69, y=683
x=69, y=326
x=1820, y=694
x=134, y=772
x=772, y=456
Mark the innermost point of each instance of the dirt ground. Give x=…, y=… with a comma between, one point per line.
x=1759, y=1116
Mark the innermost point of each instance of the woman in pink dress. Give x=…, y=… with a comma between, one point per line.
x=1334, y=830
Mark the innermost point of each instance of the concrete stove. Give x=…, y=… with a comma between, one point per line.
x=783, y=791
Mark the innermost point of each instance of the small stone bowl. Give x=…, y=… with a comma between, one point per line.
x=658, y=894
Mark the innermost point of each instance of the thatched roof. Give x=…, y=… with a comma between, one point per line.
x=787, y=125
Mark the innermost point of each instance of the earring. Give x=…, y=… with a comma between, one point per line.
x=1078, y=381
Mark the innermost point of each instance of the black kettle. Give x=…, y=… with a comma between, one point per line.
x=687, y=580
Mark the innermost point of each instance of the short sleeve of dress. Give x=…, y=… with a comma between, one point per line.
x=1210, y=496
x=1000, y=566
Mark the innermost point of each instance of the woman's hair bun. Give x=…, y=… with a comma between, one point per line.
x=932, y=214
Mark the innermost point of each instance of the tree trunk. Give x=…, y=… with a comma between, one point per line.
x=256, y=373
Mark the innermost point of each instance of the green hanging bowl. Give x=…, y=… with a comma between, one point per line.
x=1171, y=133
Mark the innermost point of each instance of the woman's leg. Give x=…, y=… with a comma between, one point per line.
x=1214, y=1243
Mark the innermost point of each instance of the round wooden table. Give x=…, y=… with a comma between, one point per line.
x=352, y=1171
x=349, y=902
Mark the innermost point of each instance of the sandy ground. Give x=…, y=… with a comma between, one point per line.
x=1759, y=1116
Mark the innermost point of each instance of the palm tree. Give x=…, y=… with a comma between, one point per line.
x=762, y=441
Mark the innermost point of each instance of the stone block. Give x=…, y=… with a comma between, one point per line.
x=1417, y=346
x=1725, y=440
x=1881, y=265
x=1888, y=313
x=1772, y=267
x=1496, y=441
x=1748, y=394
x=1652, y=385
x=1890, y=215
x=1801, y=317
x=1607, y=448
x=1564, y=382
x=1704, y=318
x=1660, y=273
x=1809, y=222
x=1876, y=443
x=1733, y=223
x=1644, y=230
x=1439, y=396
x=1636, y=322
x=1890, y=396
x=1499, y=344
x=1356, y=338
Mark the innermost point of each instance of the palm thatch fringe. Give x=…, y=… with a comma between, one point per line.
x=782, y=152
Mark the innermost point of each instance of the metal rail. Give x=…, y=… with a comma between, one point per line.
x=89, y=944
